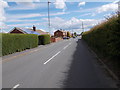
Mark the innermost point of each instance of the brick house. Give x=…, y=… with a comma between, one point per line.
x=27, y=31
x=60, y=33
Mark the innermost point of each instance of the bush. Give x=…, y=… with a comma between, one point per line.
x=68, y=34
x=105, y=38
x=17, y=42
x=43, y=39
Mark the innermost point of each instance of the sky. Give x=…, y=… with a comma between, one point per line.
x=64, y=14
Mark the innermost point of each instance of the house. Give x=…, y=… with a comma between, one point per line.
x=27, y=31
x=42, y=32
x=60, y=33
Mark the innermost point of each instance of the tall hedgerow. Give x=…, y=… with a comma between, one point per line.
x=105, y=38
x=43, y=39
x=17, y=42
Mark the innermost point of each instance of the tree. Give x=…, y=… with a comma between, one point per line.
x=68, y=34
x=75, y=34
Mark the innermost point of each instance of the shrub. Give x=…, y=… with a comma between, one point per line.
x=43, y=39
x=105, y=38
x=17, y=42
x=68, y=34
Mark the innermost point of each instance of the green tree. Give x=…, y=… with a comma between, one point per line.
x=75, y=34
x=68, y=34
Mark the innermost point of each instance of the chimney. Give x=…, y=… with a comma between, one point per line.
x=34, y=28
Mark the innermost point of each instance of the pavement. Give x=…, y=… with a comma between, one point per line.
x=65, y=64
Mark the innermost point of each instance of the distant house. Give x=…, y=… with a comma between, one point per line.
x=60, y=33
x=42, y=32
x=27, y=31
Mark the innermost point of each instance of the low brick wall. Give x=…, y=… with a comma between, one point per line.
x=53, y=39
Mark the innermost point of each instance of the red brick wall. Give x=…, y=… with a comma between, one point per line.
x=53, y=39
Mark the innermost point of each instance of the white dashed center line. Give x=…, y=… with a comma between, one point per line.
x=16, y=86
x=52, y=57
x=66, y=46
x=56, y=54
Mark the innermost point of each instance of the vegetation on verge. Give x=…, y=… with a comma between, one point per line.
x=68, y=34
x=43, y=39
x=75, y=34
x=104, y=39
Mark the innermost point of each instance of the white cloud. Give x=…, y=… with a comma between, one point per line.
x=86, y=14
x=81, y=3
x=18, y=20
x=28, y=6
x=3, y=5
x=58, y=13
x=67, y=0
x=23, y=25
x=72, y=24
x=60, y=4
x=23, y=16
x=116, y=1
x=23, y=0
x=23, y=21
x=108, y=7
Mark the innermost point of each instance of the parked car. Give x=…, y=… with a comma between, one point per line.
x=74, y=37
x=66, y=37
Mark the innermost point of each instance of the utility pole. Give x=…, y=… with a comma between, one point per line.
x=49, y=16
x=119, y=7
x=72, y=28
x=82, y=27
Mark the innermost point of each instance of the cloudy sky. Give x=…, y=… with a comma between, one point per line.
x=64, y=14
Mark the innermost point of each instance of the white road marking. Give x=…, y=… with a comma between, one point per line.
x=66, y=46
x=16, y=86
x=52, y=57
x=69, y=43
x=36, y=50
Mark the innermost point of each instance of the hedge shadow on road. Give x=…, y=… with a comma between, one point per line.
x=82, y=71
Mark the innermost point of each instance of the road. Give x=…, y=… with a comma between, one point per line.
x=65, y=64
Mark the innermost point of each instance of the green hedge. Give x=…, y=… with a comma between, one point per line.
x=43, y=39
x=105, y=38
x=17, y=42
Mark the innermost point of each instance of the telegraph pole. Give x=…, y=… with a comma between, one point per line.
x=72, y=28
x=82, y=27
x=49, y=16
x=119, y=7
